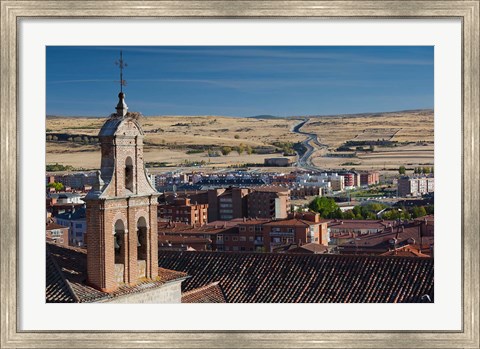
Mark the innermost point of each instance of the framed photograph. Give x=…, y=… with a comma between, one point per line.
x=276, y=157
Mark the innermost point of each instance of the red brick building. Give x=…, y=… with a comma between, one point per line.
x=226, y=204
x=351, y=179
x=300, y=229
x=121, y=208
x=269, y=202
x=56, y=233
x=183, y=210
x=248, y=236
x=369, y=178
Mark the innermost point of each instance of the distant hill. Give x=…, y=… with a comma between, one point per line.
x=74, y=116
x=428, y=111
x=266, y=117
x=373, y=114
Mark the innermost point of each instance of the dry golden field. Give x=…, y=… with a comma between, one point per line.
x=414, y=132
x=400, y=127
x=165, y=134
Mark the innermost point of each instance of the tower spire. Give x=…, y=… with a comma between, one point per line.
x=122, y=107
x=121, y=65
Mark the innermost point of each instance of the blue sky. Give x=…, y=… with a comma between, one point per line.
x=240, y=80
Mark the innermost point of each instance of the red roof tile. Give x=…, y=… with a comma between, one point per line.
x=211, y=293
x=66, y=278
x=306, y=278
x=52, y=225
x=292, y=222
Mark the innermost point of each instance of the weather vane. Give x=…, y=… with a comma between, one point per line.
x=121, y=64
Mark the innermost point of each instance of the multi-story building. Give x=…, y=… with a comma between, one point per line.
x=351, y=179
x=58, y=203
x=247, y=236
x=302, y=192
x=73, y=180
x=369, y=178
x=183, y=210
x=227, y=204
x=56, y=233
x=415, y=185
x=77, y=222
x=300, y=229
x=337, y=182
x=268, y=202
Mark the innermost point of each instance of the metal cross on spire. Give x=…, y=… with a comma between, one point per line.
x=121, y=64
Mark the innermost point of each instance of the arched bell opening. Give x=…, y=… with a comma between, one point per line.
x=129, y=174
x=119, y=249
x=142, y=239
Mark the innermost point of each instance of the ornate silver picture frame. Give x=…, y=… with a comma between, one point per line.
x=12, y=13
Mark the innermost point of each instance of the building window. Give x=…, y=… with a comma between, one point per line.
x=78, y=225
x=250, y=238
x=220, y=237
x=56, y=232
x=234, y=238
x=243, y=238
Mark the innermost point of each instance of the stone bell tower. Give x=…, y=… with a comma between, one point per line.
x=122, y=241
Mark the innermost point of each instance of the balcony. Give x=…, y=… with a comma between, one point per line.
x=281, y=233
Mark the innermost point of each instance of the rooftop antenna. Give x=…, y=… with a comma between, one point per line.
x=121, y=64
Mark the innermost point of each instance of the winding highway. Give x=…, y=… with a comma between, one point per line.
x=305, y=161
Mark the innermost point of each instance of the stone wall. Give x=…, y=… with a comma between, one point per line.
x=168, y=293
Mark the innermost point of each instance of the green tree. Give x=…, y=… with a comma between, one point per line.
x=240, y=149
x=419, y=211
x=401, y=170
x=426, y=170
x=226, y=150
x=348, y=215
x=236, y=136
x=249, y=150
x=327, y=207
x=57, y=185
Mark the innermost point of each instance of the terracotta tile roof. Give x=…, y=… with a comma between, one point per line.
x=359, y=224
x=310, y=278
x=251, y=221
x=294, y=222
x=407, y=251
x=271, y=189
x=382, y=242
x=52, y=225
x=211, y=293
x=223, y=224
x=309, y=248
x=57, y=290
x=169, y=228
x=177, y=239
x=429, y=218
x=66, y=278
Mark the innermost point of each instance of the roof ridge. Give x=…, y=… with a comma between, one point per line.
x=201, y=288
x=57, y=267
